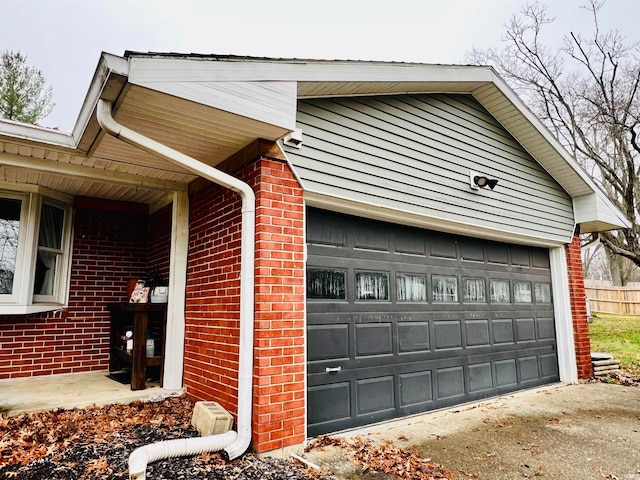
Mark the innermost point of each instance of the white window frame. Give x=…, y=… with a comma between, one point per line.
x=22, y=300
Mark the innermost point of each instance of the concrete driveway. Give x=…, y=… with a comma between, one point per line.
x=574, y=432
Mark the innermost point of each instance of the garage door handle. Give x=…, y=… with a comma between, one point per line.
x=332, y=369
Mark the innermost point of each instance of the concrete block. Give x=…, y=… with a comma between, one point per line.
x=209, y=418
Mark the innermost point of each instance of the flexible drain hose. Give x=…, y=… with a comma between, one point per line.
x=180, y=447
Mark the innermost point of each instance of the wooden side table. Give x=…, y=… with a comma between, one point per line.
x=141, y=317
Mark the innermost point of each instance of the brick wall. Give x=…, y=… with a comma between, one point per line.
x=578, y=297
x=160, y=240
x=110, y=247
x=212, y=332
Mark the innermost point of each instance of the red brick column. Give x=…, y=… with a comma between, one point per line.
x=577, y=297
x=279, y=388
x=212, y=310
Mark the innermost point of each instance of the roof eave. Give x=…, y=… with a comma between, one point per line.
x=107, y=83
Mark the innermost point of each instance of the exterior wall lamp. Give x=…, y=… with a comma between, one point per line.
x=477, y=181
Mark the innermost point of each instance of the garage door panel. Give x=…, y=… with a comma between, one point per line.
x=471, y=250
x=411, y=245
x=477, y=333
x=450, y=383
x=424, y=320
x=497, y=253
x=374, y=339
x=375, y=395
x=525, y=330
x=447, y=334
x=327, y=342
x=480, y=377
x=549, y=365
x=442, y=246
x=416, y=389
x=503, y=331
x=414, y=337
x=546, y=329
x=528, y=369
x=506, y=373
x=329, y=403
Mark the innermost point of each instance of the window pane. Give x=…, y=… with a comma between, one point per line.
x=500, y=291
x=9, y=231
x=51, y=221
x=327, y=284
x=49, y=238
x=411, y=288
x=474, y=290
x=444, y=289
x=45, y=273
x=522, y=292
x=543, y=293
x=372, y=286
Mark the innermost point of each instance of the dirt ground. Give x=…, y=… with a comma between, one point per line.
x=575, y=432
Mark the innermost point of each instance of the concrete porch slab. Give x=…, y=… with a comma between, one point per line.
x=74, y=390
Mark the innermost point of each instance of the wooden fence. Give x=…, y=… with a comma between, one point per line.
x=623, y=300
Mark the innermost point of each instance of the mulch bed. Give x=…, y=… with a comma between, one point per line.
x=95, y=443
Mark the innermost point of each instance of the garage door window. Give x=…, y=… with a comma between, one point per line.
x=543, y=293
x=326, y=284
x=411, y=288
x=444, y=289
x=522, y=292
x=474, y=290
x=372, y=286
x=500, y=291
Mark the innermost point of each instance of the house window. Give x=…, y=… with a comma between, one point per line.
x=50, y=251
x=34, y=252
x=9, y=233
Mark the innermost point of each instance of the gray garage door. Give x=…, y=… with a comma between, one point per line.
x=403, y=320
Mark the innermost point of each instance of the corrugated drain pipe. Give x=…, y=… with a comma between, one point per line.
x=234, y=445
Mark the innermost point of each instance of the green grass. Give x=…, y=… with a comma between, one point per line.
x=618, y=335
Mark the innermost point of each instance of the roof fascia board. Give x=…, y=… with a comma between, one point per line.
x=108, y=65
x=34, y=133
x=537, y=124
x=162, y=69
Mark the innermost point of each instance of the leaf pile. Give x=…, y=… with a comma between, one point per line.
x=95, y=443
x=31, y=436
x=387, y=458
x=622, y=377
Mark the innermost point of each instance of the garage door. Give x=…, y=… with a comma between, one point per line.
x=403, y=320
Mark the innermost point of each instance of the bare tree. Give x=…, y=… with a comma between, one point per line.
x=586, y=92
x=24, y=95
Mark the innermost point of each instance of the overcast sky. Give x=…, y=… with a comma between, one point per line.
x=64, y=38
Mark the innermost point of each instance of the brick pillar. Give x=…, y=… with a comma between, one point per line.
x=213, y=297
x=279, y=388
x=577, y=297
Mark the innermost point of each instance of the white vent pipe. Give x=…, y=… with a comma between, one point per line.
x=247, y=245
x=179, y=447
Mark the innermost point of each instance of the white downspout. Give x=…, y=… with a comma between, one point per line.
x=245, y=369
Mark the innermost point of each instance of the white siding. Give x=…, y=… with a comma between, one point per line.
x=413, y=153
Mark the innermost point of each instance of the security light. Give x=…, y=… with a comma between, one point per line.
x=477, y=181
